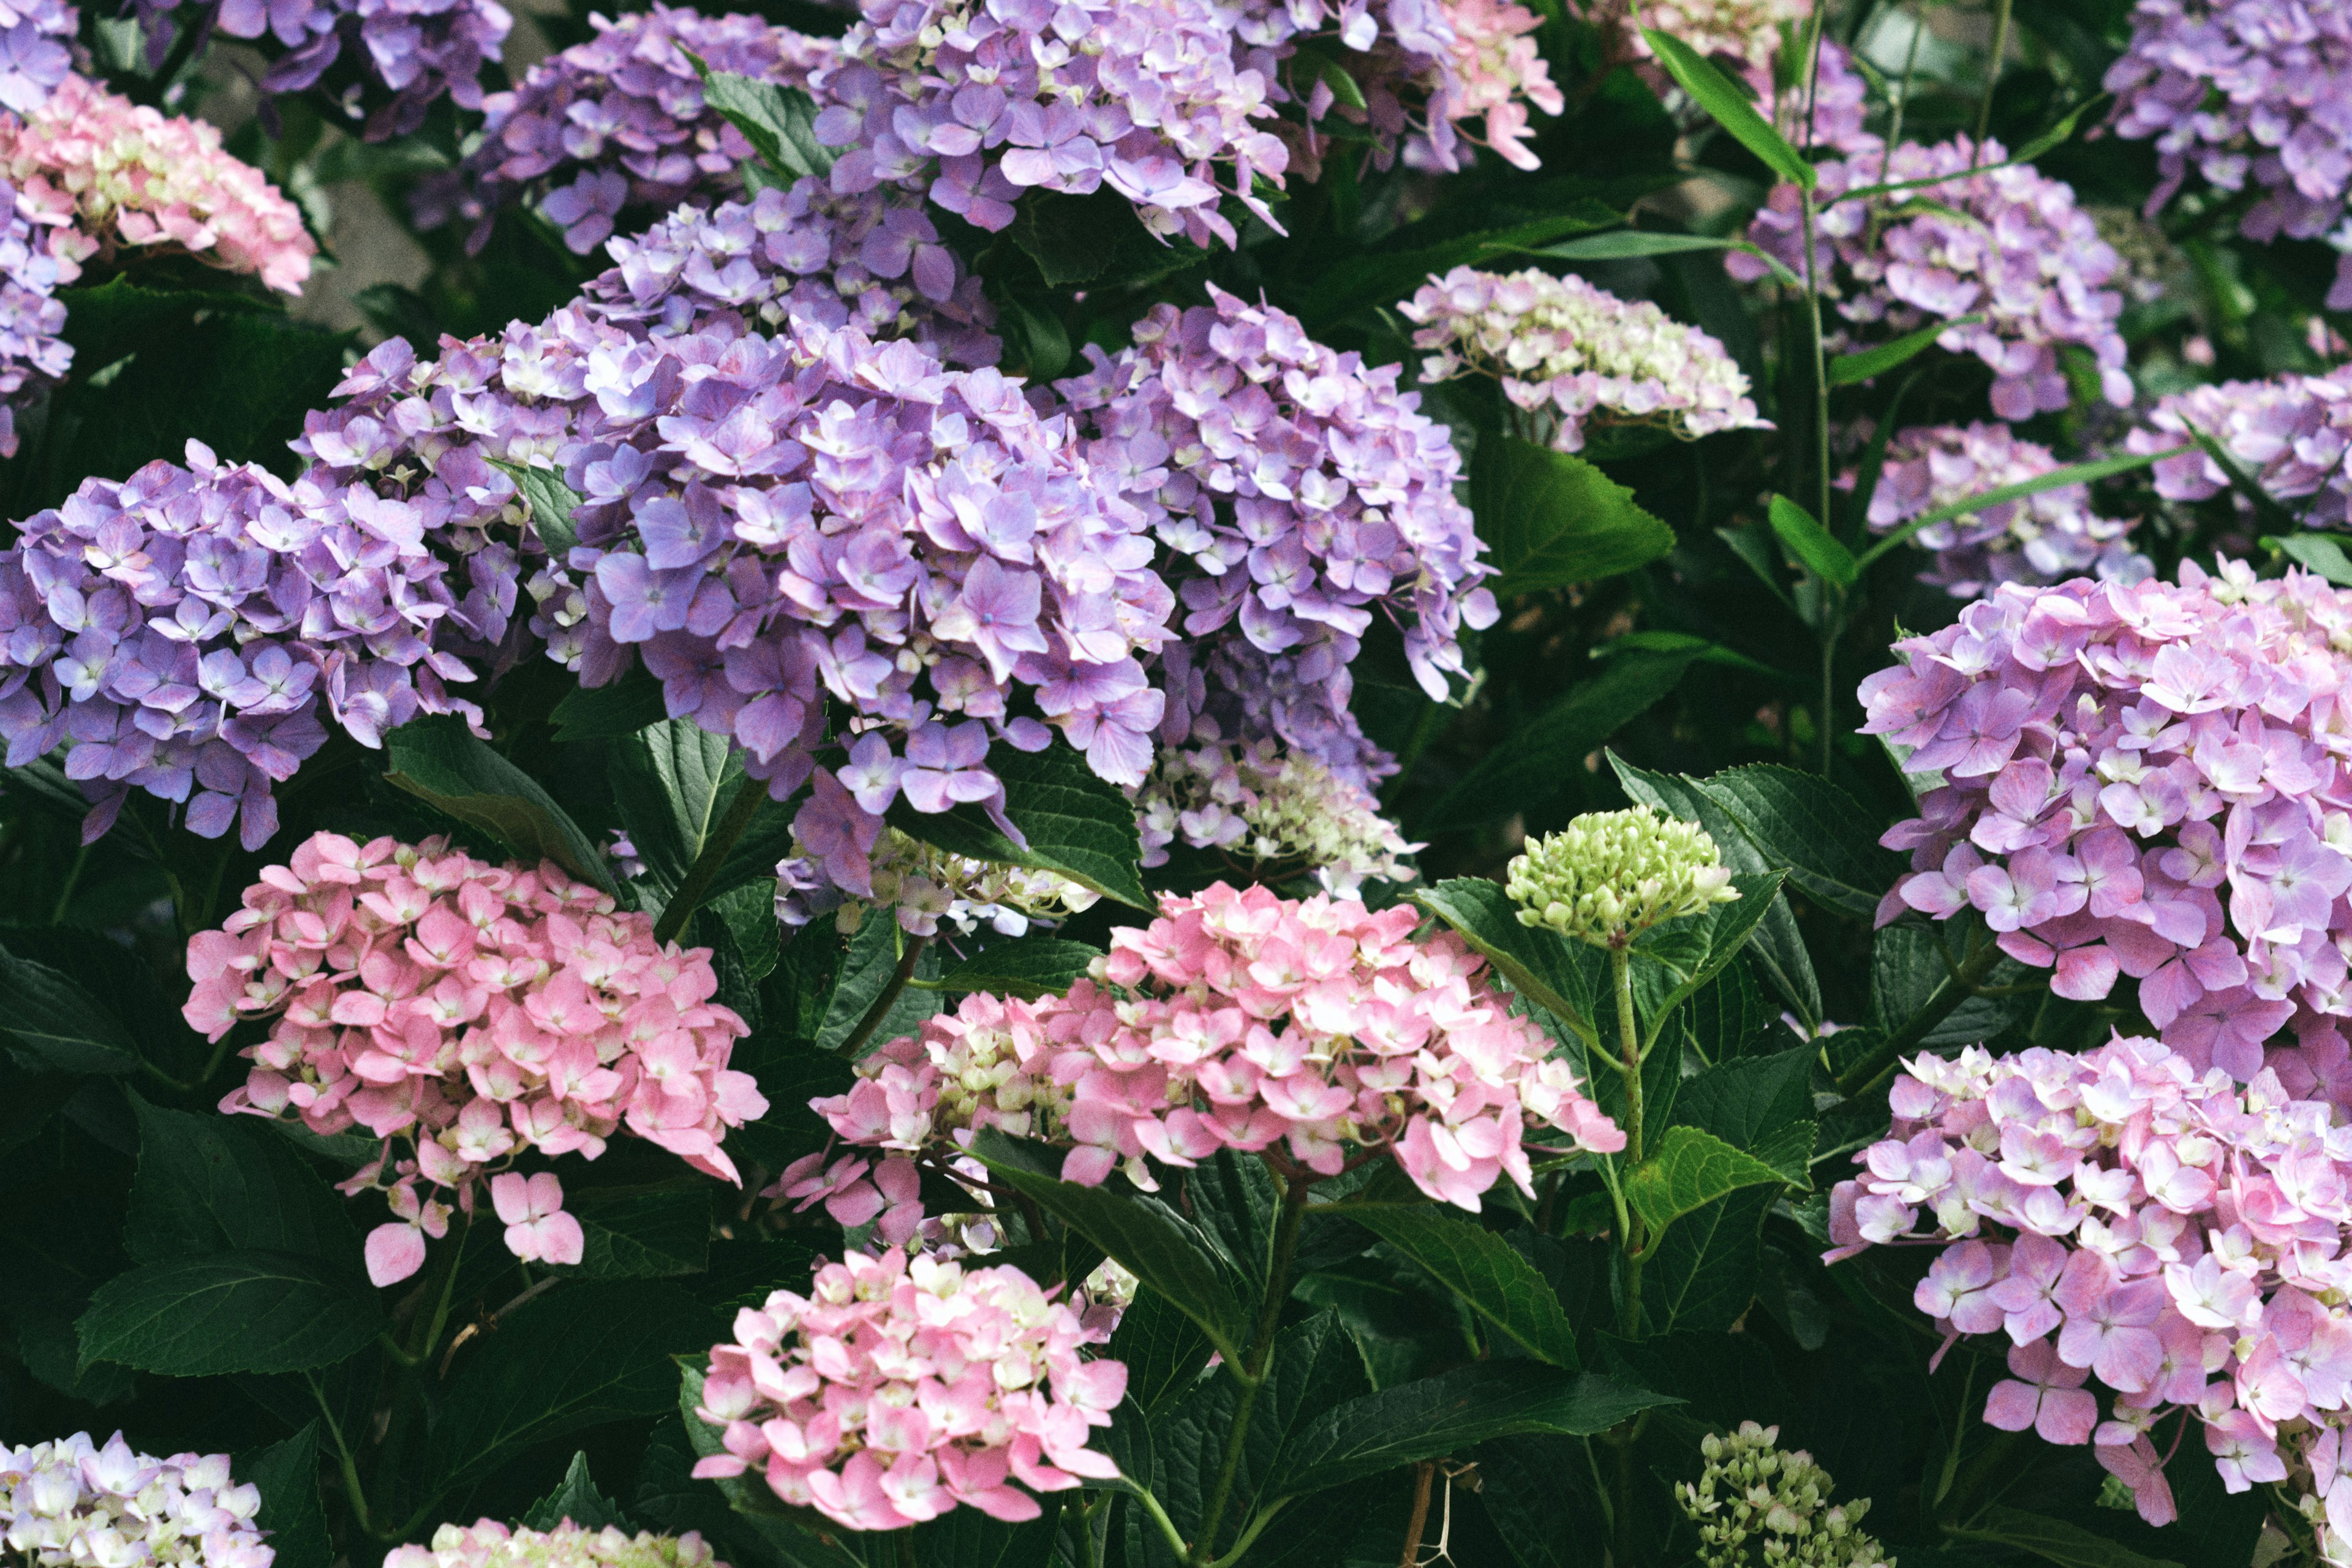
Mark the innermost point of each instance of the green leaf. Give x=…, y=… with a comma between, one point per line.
x=217, y=1183
x=967, y=1538
x=793, y=1545
x=780, y=121
x=287, y=1475
x=1486, y=1271
x=578, y=1500
x=1163, y=1350
x=579, y=1356
x=1749, y=544
x=1524, y=772
x=1356, y=280
x=748, y=912
x=1845, y=370
x=1443, y=1415
x=608, y=712
x=1077, y=824
x=1151, y=1240
x=1705, y=1272
x=1698, y=648
x=2056, y=479
x=1690, y=1169
x=865, y=973
x=2054, y=1540
x=1537, y=1492
x=1813, y=546
x=442, y=762
x=1827, y=840
x=1554, y=519
x=1560, y=976
x=1095, y=238
x=1627, y=244
x=229, y=1311
x=1028, y=968
x=551, y=503
x=1714, y=92
x=1715, y=938
x=673, y=781
x=1761, y=1104
x=2315, y=552
x=58, y=1022
x=2060, y=132
x=642, y=1233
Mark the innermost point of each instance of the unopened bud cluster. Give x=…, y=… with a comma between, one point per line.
x=1753, y=1495
x=490, y=1544
x=1609, y=876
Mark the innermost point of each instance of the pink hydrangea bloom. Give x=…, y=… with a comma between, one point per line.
x=487, y=1544
x=1237, y=1020
x=2292, y=435
x=467, y=1012
x=1748, y=31
x=2042, y=538
x=2020, y=256
x=72, y=1502
x=100, y=174
x=2145, y=1231
x=1501, y=73
x=2144, y=780
x=896, y=1389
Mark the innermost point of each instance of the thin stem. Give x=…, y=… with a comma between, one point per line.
x=1950, y=992
x=1250, y=1375
x=906, y=1549
x=750, y=795
x=888, y=999
x=1159, y=1517
x=1423, y=1474
x=65, y=893
x=1620, y=968
x=352, y=1487
x=1829, y=682
x=1993, y=70
x=1249, y=1536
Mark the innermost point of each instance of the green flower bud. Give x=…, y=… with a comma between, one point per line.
x=1609, y=876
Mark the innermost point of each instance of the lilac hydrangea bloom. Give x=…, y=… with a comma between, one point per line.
x=413, y=50
x=2021, y=256
x=31, y=316
x=618, y=121
x=2247, y=90
x=2292, y=435
x=184, y=629
x=1295, y=491
x=2042, y=538
x=34, y=52
x=974, y=106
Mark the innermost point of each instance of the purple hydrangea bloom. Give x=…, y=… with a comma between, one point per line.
x=2292, y=435
x=1294, y=491
x=618, y=121
x=31, y=353
x=2022, y=258
x=412, y=50
x=2240, y=92
x=182, y=630
x=34, y=52
x=2042, y=538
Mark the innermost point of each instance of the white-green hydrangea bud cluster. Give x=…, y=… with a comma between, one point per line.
x=490, y=1544
x=1756, y=1507
x=1287, y=814
x=1609, y=876
x=927, y=885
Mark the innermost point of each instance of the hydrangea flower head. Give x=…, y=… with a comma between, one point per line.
x=1237, y=1020
x=2144, y=780
x=100, y=174
x=927, y=885
x=70, y=1502
x=1501, y=73
x=1424, y=70
x=896, y=1389
x=1295, y=492
x=2250, y=96
x=2042, y=538
x=36, y=50
x=1571, y=354
x=2012, y=251
x=1752, y=1491
x=1748, y=31
x=32, y=351
x=618, y=121
x=491, y=1544
x=2291, y=434
x=1609, y=876
x=1282, y=816
x=465, y=1014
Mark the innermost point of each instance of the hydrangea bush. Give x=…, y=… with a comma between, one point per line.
x=1176, y=784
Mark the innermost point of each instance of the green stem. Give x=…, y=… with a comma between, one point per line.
x=352, y=1487
x=65, y=893
x=1620, y=969
x=1159, y=1517
x=1249, y=1536
x=891, y=992
x=1993, y=70
x=1829, y=679
x=1251, y=1374
x=1950, y=992
x=750, y=795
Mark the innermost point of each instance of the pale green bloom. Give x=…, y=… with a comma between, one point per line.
x=1752, y=1493
x=1609, y=876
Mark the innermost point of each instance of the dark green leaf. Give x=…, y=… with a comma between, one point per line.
x=59, y=1022
x=866, y=970
x=1559, y=975
x=749, y=913
x=2058, y=133
x=1538, y=1493
x=1714, y=92
x=1689, y=1170
x=1552, y=518
x=1827, y=840
x=2315, y=553
x=1813, y=546
x=1627, y=244
x=795, y=1544
x=1152, y=1241
x=608, y=712
x=1524, y=770
x=1445, y=1415
x=673, y=781
x=779, y=120
x=1717, y=937
x=1379, y=278
x=1728, y=1017
x=217, y=1183
x=1757, y=1104
x=229, y=1311
x=287, y=1475
x=551, y=503
x=579, y=1356
x=2054, y=1540
x=645, y=1233
x=1031, y=967
x=1078, y=240
x=967, y=1538
x=1486, y=1271
x=445, y=765
x=1077, y=824
x=2056, y=479
x=1847, y=369
x=1162, y=1349
x=578, y=1500
x=1705, y=1272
